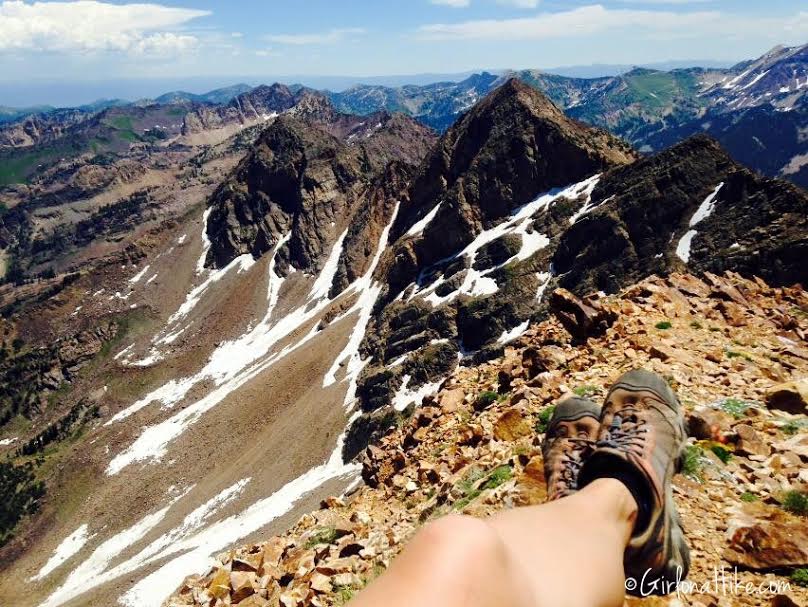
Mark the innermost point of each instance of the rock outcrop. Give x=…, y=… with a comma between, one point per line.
x=690, y=204
x=255, y=105
x=26, y=379
x=308, y=179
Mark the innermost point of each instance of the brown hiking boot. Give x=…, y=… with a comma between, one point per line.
x=570, y=437
x=641, y=441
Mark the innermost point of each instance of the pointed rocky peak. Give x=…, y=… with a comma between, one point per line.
x=386, y=137
x=313, y=105
x=515, y=94
x=508, y=149
x=293, y=167
x=306, y=176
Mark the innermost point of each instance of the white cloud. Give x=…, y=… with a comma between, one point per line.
x=330, y=37
x=520, y=3
x=467, y=3
x=452, y=3
x=666, y=1
x=87, y=25
x=594, y=19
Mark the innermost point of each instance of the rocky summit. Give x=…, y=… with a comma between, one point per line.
x=460, y=280
x=731, y=347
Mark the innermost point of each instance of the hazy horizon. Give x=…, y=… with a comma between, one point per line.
x=74, y=93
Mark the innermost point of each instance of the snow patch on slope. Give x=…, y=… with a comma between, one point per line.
x=69, y=547
x=136, y=278
x=517, y=331
x=705, y=209
x=236, y=362
x=421, y=225
x=405, y=396
x=368, y=291
x=478, y=282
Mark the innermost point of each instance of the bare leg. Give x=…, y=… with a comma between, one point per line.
x=564, y=553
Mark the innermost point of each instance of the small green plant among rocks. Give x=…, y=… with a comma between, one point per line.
x=734, y=406
x=794, y=426
x=749, y=497
x=343, y=594
x=470, y=487
x=692, y=462
x=721, y=452
x=664, y=325
x=696, y=324
x=800, y=577
x=586, y=391
x=544, y=419
x=326, y=535
x=795, y=502
x=498, y=476
x=485, y=400
x=734, y=354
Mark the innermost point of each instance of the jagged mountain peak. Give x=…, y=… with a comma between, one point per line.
x=307, y=174
x=514, y=90
x=510, y=147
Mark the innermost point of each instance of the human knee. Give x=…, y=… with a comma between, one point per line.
x=460, y=536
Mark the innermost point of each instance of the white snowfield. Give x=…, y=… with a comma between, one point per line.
x=705, y=209
x=136, y=278
x=69, y=547
x=479, y=282
x=420, y=226
x=188, y=547
x=233, y=363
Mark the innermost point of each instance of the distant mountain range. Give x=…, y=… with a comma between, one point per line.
x=756, y=109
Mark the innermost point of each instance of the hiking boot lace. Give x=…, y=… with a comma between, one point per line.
x=571, y=461
x=627, y=432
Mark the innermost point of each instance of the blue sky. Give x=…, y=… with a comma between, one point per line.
x=238, y=39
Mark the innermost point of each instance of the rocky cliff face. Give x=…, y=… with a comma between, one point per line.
x=254, y=105
x=688, y=205
x=456, y=278
x=40, y=128
x=303, y=183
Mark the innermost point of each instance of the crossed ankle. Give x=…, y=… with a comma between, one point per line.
x=604, y=466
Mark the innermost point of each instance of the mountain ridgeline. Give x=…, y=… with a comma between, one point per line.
x=514, y=200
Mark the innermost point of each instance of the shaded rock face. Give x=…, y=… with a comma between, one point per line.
x=295, y=178
x=762, y=137
x=508, y=149
x=315, y=181
x=755, y=226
